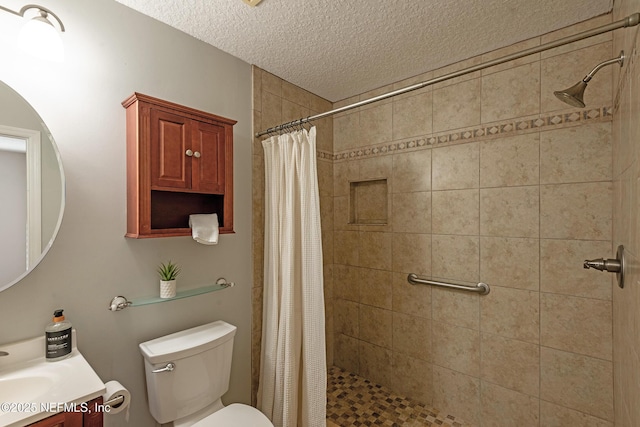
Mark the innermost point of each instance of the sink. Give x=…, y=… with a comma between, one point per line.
x=24, y=389
x=32, y=389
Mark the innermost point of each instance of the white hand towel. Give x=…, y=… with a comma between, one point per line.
x=204, y=228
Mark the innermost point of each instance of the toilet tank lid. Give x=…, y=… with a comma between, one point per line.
x=188, y=342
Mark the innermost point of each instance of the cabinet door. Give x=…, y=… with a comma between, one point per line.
x=208, y=161
x=64, y=419
x=170, y=140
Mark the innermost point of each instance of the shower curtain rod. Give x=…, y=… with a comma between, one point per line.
x=629, y=21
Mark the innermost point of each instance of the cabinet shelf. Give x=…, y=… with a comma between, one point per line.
x=120, y=302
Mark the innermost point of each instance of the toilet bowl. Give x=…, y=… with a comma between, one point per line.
x=188, y=372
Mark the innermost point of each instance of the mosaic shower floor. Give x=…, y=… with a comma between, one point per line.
x=355, y=401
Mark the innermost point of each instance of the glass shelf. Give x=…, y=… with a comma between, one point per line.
x=120, y=302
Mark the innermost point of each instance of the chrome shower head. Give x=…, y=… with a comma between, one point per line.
x=574, y=95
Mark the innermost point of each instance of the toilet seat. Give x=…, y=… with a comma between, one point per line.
x=234, y=415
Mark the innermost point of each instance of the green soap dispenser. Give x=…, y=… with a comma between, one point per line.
x=58, y=338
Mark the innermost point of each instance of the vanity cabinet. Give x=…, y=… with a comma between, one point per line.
x=92, y=417
x=179, y=162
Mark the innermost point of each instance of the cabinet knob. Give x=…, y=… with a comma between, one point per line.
x=189, y=153
x=196, y=154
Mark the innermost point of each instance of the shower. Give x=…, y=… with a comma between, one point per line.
x=574, y=95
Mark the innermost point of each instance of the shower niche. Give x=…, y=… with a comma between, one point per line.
x=369, y=202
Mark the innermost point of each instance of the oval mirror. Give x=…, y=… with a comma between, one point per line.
x=31, y=188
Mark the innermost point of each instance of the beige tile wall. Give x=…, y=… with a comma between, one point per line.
x=626, y=172
x=490, y=178
x=276, y=101
x=530, y=183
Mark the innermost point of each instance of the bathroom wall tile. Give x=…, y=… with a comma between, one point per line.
x=456, y=257
x=411, y=212
x=345, y=247
x=410, y=299
x=456, y=393
x=375, y=250
x=552, y=415
x=510, y=212
x=412, y=116
x=514, y=48
x=271, y=83
x=563, y=71
x=560, y=272
x=456, y=308
x=578, y=325
x=318, y=104
x=346, y=282
x=456, y=348
x=256, y=89
x=375, y=125
x=574, y=29
x=345, y=132
x=457, y=66
x=522, y=98
x=271, y=110
x=412, y=253
x=375, y=288
x=576, y=154
x=347, y=353
x=324, y=132
x=412, y=377
x=376, y=363
x=412, y=171
x=511, y=313
x=341, y=219
x=456, y=106
x=326, y=213
x=588, y=206
x=325, y=178
x=295, y=94
x=412, y=81
x=456, y=212
x=343, y=173
x=346, y=317
x=522, y=256
x=455, y=167
x=577, y=382
x=377, y=168
x=412, y=336
x=504, y=407
x=510, y=363
x=292, y=111
x=376, y=326
x=510, y=161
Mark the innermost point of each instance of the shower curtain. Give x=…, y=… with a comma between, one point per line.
x=293, y=373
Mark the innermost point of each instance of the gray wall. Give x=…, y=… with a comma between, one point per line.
x=112, y=51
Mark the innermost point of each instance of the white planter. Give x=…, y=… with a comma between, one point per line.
x=167, y=288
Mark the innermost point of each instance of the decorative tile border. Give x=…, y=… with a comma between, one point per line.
x=503, y=129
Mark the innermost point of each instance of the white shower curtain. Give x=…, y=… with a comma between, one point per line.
x=293, y=373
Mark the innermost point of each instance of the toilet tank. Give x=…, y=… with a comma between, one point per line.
x=202, y=359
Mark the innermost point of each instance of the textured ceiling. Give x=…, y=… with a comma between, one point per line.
x=339, y=48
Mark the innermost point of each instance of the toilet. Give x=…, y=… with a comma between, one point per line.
x=188, y=372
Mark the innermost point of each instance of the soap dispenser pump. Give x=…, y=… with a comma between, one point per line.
x=58, y=338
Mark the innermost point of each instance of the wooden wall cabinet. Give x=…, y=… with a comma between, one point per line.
x=179, y=162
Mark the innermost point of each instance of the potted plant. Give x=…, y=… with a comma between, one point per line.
x=168, y=273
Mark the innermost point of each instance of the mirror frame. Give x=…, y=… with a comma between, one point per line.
x=45, y=135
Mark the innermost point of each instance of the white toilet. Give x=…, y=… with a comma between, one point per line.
x=187, y=374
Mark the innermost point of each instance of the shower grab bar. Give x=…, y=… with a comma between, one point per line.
x=480, y=288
